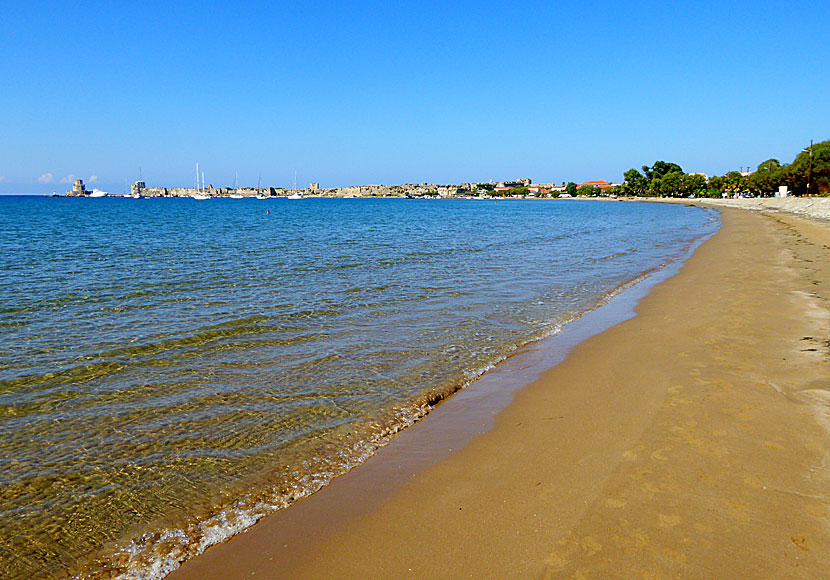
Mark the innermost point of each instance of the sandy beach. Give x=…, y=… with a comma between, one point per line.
x=692, y=441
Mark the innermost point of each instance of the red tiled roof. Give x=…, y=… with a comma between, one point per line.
x=602, y=184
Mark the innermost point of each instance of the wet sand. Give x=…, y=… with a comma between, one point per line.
x=688, y=442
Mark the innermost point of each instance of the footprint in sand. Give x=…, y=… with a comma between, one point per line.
x=801, y=542
x=678, y=401
x=738, y=510
x=675, y=556
x=556, y=562
x=591, y=545
x=753, y=481
x=659, y=455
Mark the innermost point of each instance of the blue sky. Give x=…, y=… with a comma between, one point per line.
x=446, y=92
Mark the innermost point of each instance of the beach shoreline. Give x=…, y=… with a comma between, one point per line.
x=521, y=498
x=356, y=340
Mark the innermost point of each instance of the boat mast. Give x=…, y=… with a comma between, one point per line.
x=197, y=177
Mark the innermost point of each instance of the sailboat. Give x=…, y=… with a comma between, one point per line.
x=294, y=193
x=236, y=194
x=198, y=194
x=258, y=187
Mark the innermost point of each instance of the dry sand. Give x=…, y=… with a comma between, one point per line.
x=689, y=442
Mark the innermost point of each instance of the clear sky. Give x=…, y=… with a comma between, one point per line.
x=348, y=93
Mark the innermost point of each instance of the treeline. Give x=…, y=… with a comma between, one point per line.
x=810, y=167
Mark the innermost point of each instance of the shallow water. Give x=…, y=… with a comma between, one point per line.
x=170, y=370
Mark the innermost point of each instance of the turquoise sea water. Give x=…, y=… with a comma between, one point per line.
x=171, y=370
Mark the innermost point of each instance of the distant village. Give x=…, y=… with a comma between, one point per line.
x=808, y=174
x=519, y=188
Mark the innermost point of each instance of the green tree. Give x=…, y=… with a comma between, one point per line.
x=571, y=188
x=693, y=185
x=734, y=181
x=589, y=191
x=765, y=182
x=669, y=185
x=717, y=182
x=635, y=182
x=661, y=168
x=813, y=165
x=769, y=165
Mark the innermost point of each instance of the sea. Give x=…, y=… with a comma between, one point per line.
x=172, y=370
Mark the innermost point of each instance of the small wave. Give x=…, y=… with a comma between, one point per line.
x=155, y=554
x=94, y=366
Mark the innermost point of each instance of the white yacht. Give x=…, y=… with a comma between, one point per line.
x=200, y=188
x=259, y=188
x=294, y=193
x=236, y=194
